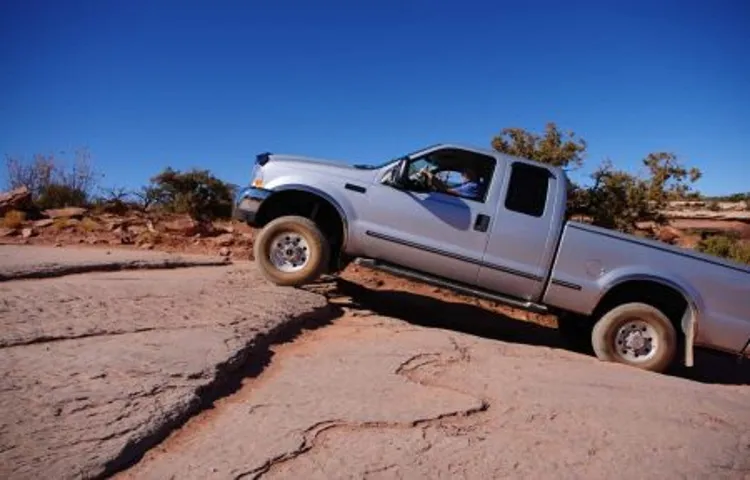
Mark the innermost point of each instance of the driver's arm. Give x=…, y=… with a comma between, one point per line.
x=436, y=183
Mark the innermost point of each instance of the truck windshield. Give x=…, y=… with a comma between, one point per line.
x=363, y=166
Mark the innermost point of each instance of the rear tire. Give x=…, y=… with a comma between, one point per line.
x=291, y=251
x=636, y=334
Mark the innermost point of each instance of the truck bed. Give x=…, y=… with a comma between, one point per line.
x=591, y=260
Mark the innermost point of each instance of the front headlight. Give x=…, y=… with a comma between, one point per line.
x=257, y=176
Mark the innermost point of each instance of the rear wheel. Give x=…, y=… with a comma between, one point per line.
x=636, y=334
x=291, y=251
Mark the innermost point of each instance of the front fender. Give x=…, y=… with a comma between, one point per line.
x=341, y=204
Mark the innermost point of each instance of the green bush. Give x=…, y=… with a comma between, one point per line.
x=195, y=192
x=57, y=195
x=726, y=246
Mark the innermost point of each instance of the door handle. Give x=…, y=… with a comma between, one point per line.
x=482, y=222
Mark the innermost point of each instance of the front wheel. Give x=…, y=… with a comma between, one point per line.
x=291, y=251
x=636, y=334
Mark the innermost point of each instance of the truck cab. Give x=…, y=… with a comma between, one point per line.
x=501, y=238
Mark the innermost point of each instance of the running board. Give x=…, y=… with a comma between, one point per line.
x=450, y=285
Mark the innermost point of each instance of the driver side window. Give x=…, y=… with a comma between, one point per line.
x=461, y=173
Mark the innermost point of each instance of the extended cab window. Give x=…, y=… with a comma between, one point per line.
x=527, y=191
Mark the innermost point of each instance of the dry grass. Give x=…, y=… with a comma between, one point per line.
x=89, y=225
x=14, y=219
x=59, y=224
x=147, y=236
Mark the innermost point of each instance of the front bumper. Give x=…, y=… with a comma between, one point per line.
x=248, y=202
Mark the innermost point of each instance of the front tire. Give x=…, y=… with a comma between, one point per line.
x=291, y=251
x=636, y=334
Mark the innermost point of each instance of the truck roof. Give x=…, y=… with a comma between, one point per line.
x=495, y=153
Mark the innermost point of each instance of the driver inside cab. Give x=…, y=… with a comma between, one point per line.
x=471, y=187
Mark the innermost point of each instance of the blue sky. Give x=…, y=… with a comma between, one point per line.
x=145, y=84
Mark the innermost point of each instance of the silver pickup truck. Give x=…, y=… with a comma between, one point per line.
x=495, y=226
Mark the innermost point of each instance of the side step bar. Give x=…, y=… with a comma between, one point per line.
x=450, y=285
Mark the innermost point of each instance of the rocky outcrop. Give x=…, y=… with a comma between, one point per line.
x=69, y=212
x=17, y=199
x=188, y=227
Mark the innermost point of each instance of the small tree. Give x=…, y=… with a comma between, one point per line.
x=616, y=199
x=619, y=200
x=195, y=192
x=668, y=178
x=554, y=147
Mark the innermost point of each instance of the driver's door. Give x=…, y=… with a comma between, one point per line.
x=429, y=231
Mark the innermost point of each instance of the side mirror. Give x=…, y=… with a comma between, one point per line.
x=401, y=174
x=398, y=176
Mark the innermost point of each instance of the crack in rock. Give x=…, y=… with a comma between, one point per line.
x=61, y=338
x=382, y=469
x=52, y=270
x=311, y=434
x=226, y=377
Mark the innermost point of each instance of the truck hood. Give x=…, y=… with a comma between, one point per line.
x=322, y=165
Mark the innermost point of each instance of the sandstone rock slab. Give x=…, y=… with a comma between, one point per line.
x=68, y=212
x=98, y=367
x=375, y=397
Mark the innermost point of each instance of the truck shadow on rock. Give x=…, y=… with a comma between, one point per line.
x=432, y=312
x=710, y=367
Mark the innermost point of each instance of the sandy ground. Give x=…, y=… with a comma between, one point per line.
x=390, y=380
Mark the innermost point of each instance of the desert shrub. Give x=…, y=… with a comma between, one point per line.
x=56, y=195
x=741, y=253
x=149, y=237
x=148, y=196
x=726, y=246
x=59, y=224
x=116, y=201
x=737, y=197
x=195, y=192
x=14, y=219
x=714, y=206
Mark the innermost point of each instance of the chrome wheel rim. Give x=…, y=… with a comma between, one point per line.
x=289, y=252
x=636, y=341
